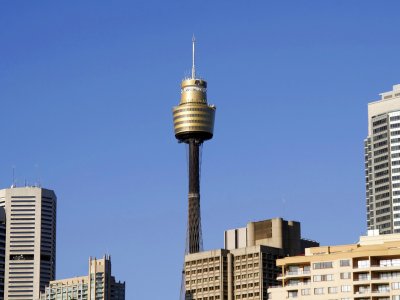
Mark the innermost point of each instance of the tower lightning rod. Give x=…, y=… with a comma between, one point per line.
x=193, y=63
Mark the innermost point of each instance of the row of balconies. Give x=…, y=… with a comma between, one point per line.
x=369, y=268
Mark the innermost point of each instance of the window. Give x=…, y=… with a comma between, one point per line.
x=394, y=118
x=292, y=294
x=363, y=264
x=363, y=276
x=293, y=282
x=327, y=277
x=345, y=288
x=380, y=129
x=318, y=291
x=395, y=125
x=332, y=290
x=305, y=292
x=376, y=145
x=379, y=122
x=322, y=265
x=345, y=275
x=396, y=285
x=381, y=166
x=382, y=288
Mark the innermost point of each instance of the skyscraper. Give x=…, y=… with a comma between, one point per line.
x=382, y=163
x=2, y=249
x=30, y=241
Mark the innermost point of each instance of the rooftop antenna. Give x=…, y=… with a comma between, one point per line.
x=193, y=64
x=37, y=184
x=13, y=177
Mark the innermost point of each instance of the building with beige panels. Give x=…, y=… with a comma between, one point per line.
x=246, y=268
x=369, y=269
x=99, y=284
x=29, y=252
x=276, y=232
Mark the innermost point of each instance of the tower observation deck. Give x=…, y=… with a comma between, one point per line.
x=194, y=124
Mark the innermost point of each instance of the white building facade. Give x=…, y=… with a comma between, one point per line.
x=30, y=241
x=382, y=163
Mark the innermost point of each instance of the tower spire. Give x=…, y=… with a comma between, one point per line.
x=193, y=62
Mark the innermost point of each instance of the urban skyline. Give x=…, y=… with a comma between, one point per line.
x=78, y=88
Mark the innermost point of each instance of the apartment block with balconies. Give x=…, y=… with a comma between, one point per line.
x=369, y=269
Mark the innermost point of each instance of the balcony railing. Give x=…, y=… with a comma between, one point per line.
x=295, y=273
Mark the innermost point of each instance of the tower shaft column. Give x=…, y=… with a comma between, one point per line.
x=194, y=234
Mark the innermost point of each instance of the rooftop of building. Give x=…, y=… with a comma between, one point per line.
x=389, y=95
x=69, y=281
x=14, y=187
x=371, y=245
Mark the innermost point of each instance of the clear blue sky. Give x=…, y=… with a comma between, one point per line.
x=86, y=91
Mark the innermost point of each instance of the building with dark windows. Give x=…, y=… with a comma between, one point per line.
x=2, y=249
x=28, y=227
x=382, y=163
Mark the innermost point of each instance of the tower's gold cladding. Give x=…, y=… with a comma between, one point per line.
x=193, y=117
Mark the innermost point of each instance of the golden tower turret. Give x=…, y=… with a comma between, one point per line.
x=194, y=124
x=194, y=117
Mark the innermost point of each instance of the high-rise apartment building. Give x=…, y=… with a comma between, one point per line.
x=246, y=268
x=30, y=241
x=99, y=284
x=368, y=270
x=2, y=249
x=382, y=163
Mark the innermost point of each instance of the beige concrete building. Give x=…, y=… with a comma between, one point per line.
x=30, y=240
x=247, y=267
x=277, y=233
x=369, y=269
x=99, y=284
x=382, y=163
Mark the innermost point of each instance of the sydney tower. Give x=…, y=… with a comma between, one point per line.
x=194, y=124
